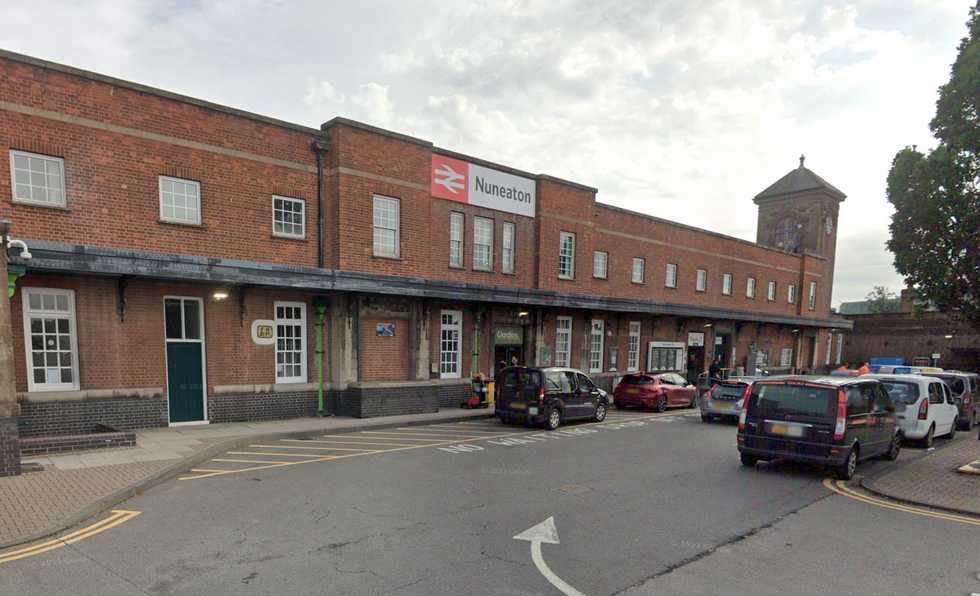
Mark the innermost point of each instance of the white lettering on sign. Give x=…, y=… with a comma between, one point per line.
x=464, y=182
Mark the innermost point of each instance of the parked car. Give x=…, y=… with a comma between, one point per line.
x=724, y=398
x=929, y=410
x=831, y=421
x=548, y=396
x=657, y=391
x=965, y=388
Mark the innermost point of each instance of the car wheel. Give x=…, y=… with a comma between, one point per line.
x=747, y=460
x=926, y=441
x=952, y=429
x=847, y=469
x=694, y=403
x=967, y=424
x=600, y=413
x=893, y=450
x=554, y=419
x=661, y=404
x=706, y=417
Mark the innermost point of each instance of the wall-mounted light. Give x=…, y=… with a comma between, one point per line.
x=524, y=313
x=795, y=331
x=219, y=295
x=950, y=336
x=708, y=325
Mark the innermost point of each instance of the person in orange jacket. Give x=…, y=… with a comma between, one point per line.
x=864, y=370
x=843, y=367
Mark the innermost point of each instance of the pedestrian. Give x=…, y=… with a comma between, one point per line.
x=805, y=371
x=864, y=370
x=715, y=369
x=500, y=369
x=844, y=367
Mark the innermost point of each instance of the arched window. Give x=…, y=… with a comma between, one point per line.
x=787, y=234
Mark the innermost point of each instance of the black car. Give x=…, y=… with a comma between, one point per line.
x=832, y=421
x=548, y=396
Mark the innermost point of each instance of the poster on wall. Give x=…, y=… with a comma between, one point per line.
x=386, y=330
x=546, y=356
x=695, y=340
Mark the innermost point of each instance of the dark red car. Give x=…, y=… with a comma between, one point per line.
x=657, y=391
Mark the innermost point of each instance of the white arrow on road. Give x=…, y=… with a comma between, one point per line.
x=450, y=179
x=546, y=532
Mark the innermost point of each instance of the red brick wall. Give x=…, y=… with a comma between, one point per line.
x=384, y=358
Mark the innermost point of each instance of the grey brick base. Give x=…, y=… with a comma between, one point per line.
x=9, y=447
x=244, y=407
x=40, y=419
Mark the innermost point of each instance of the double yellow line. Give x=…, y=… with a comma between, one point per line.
x=112, y=521
x=839, y=488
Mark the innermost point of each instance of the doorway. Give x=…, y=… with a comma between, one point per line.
x=508, y=354
x=184, y=324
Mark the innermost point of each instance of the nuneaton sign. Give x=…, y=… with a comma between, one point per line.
x=475, y=185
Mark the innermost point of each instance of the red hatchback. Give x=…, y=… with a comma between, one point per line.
x=656, y=391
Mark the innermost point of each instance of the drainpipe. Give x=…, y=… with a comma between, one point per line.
x=320, y=147
x=477, y=321
x=320, y=304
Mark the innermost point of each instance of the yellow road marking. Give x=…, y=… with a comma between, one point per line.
x=843, y=490
x=118, y=517
x=311, y=448
x=413, y=438
x=433, y=434
x=248, y=461
x=266, y=453
x=356, y=442
x=464, y=431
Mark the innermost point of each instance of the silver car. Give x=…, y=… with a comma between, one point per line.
x=724, y=399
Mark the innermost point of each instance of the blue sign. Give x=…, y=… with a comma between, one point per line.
x=386, y=330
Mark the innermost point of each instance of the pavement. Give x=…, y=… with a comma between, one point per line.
x=75, y=487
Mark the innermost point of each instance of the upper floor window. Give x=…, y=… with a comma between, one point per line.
x=702, y=283
x=482, y=243
x=508, y=248
x=180, y=200
x=566, y=255
x=386, y=226
x=671, y=275
x=772, y=290
x=456, y=239
x=726, y=284
x=787, y=234
x=791, y=294
x=601, y=265
x=289, y=216
x=37, y=178
x=750, y=288
x=813, y=295
x=638, y=267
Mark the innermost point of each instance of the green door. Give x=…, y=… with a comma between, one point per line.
x=185, y=359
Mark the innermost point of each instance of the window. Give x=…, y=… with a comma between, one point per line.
x=600, y=267
x=450, y=330
x=180, y=200
x=813, y=295
x=840, y=347
x=290, y=342
x=786, y=357
x=455, y=239
x=482, y=244
x=772, y=291
x=791, y=294
x=386, y=225
x=750, y=288
x=596, y=339
x=638, y=266
x=563, y=341
x=671, y=275
x=702, y=280
x=726, y=284
x=633, y=354
x=830, y=347
x=289, y=216
x=787, y=234
x=49, y=330
x=508, y=248
x=37, y=178
x=566, y=255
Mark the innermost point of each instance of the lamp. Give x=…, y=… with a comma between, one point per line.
x=219, y=295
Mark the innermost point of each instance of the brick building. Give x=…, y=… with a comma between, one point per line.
x=185, y=252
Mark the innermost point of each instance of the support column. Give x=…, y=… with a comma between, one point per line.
x=9, y=408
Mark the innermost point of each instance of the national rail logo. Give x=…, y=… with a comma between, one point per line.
x=464, y=182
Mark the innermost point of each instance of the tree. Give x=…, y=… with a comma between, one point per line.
x=881, y=300
x=935, y=231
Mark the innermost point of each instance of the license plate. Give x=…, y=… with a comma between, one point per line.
x=724, y=406
x=632, y=392
x=787, y=430
x=532, y=411
x=518, y=406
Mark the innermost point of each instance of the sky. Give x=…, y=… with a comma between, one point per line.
x=682, y=109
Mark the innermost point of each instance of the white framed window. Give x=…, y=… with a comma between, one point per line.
x=791, y=294
x=600, y=265
x=750, y=288
x=563, y=341
x=180, y=200
x=456, y=239
x=633, y=351
x=290, y=342
x=507, y=250
x=638, y=269
x=702, y=284
x=37, y=178
x=726, y=284
x=52, y=344
x=840, y=347
x=450, y=350
x=482, y=244
x=772, y=291
x=566, y=255
x=596, y=342
x=289, y=216
x=786, y=357
x=386, y=226
x=671, y=275
x=813, y=295
x=830, y=347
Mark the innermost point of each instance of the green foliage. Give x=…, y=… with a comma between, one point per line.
x=881, y=300
x=935, y=231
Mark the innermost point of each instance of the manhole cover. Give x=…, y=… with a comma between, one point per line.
x=574, y=489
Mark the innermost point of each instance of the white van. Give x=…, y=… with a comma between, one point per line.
x=929, y=409
x=889, y=369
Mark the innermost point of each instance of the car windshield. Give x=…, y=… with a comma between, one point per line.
x=521, y=377
x=768, y=399
x=638, y=380
x=902, y=391
x=728, y=389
